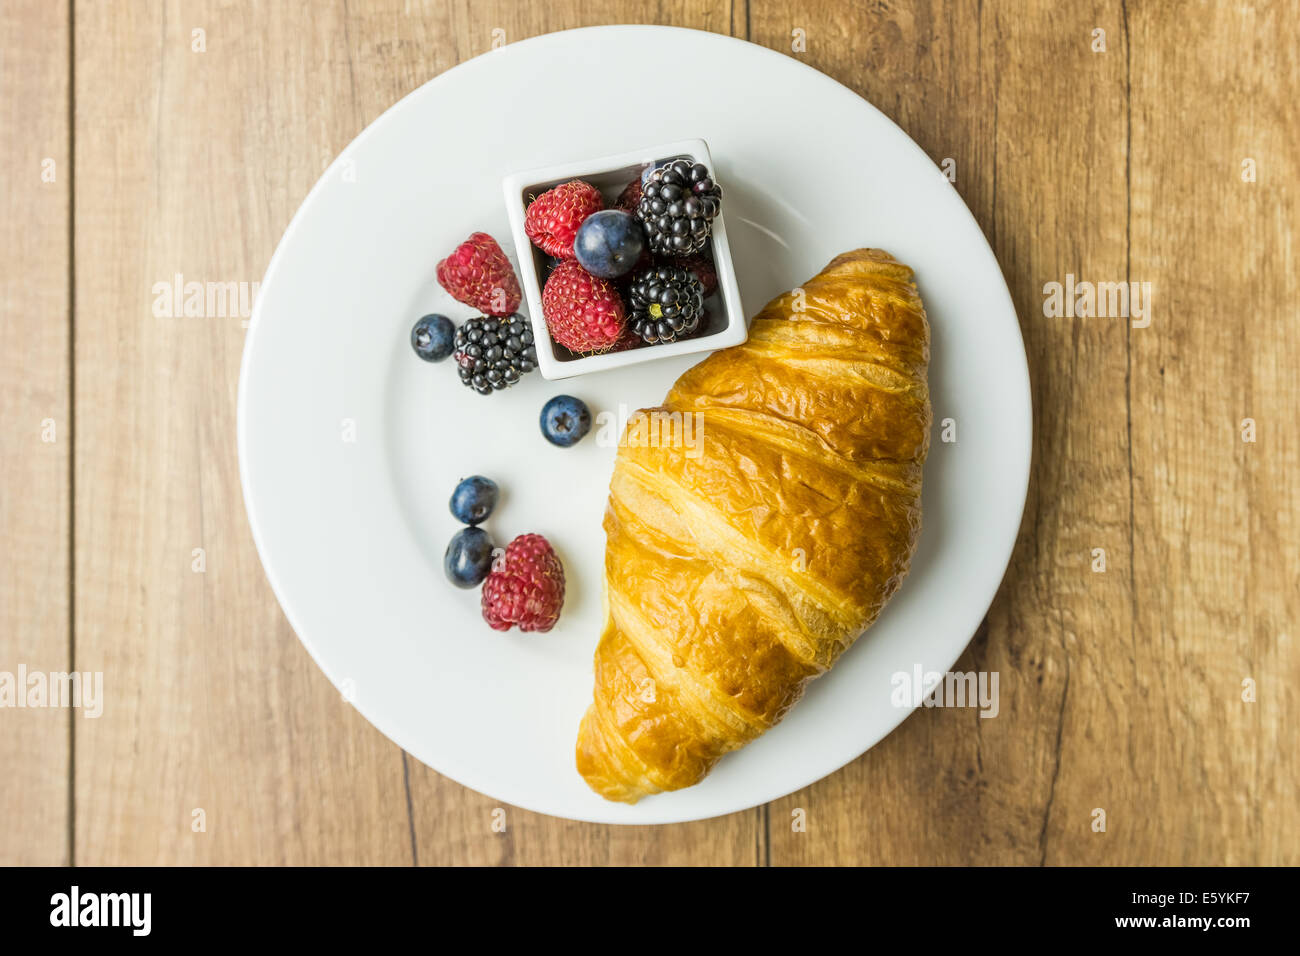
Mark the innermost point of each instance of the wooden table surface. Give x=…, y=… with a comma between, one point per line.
x=1161, y=690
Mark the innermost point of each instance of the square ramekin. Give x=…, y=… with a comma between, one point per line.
x=726, y=322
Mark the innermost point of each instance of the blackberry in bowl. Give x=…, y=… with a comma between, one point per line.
x=494, y=353
x=678, y=203
x=667, y=303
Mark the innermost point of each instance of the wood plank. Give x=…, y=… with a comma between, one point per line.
x=456, y=826
x=1217, y=550
x=1035, y=123
x=192, y=163
x=35, y=424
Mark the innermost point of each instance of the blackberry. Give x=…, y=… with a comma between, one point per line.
x=667, y=303
x=494, y=353
x=678, y=203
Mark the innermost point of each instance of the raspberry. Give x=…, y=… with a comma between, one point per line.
x=582, y=312
x=628, y=340
x=524, y=587
x=553, y=218
x=630, y=197
x=479, y=274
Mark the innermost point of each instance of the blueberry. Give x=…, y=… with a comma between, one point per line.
x=433, y=337
x=609, y=243
x=476, y=496
x=468, y=558
x=565, y=420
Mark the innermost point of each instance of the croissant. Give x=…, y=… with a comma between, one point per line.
x=750, y=548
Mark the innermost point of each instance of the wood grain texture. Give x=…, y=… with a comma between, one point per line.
x=35, y=427
x=1121, y=689
x=1217, y=546
x=192, y=163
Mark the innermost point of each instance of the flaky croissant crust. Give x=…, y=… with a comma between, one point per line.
x=741, y=563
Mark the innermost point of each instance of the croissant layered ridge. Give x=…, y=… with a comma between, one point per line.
x=740, y=565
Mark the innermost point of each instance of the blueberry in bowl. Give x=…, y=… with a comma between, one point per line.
x=474, y=499
x=468, y=558
x=609, y=243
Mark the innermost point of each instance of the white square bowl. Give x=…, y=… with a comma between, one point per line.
x=726, y=324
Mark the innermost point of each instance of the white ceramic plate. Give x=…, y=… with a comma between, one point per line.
x=350, y=445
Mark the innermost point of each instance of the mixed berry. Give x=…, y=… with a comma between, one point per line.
x=494, y=353
x=702, y=268
x=627, y=276
x=667, y=303
x=473, y=500
x=609, y=243
x=468, y=558
x=523, y=584
x=494, y=350
x=478, y=273
x=552, y=219
x=525, y=587
x=584, y=313
x=678, y=203
x=433, y=337
x=630, y=197
x=565, y=420
x=634, y=274
x=631, y=275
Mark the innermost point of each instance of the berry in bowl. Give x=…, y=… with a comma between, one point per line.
x=624, y=259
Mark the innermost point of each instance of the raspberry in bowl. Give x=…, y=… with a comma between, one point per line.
x=624, y=259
